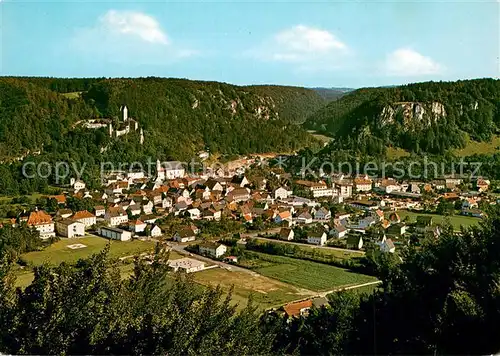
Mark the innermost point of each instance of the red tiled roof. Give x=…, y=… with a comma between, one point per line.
x=83, y=214
x=294, y=309
x=39, y=218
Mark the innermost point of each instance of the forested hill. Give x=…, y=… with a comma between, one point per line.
x=430, y=117
x=179, y=116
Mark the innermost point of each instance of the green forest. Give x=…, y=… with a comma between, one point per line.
x=179, y=118
x=355, y=121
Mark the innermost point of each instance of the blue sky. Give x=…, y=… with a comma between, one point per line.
x=350, y=44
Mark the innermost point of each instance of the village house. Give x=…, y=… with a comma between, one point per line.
x=388, y=186
x=322, y=214
x=153, y=231
x=114, y=233
x=137, y=226
x=213, y=185
x=283, y=216
x=364, y=223
x=61, y=199
x=116, y=216
x=240, y=181
x=134, y=209
x=365, y=205
x=316, y=238
x=344, y=188
x=77, y=185
x=186, y=265
x=469, y=203
x=482, y=185
x=169, y=170
x=184, y=235
x=239, y=194
x=147, y=208
x=304, y=218
x=398, y=229
x=286, y=234
x=64, y=213
x=297, y=309
x=387, y=246
x=43, y=223
x=70, y=228
x=362, y=184
x=212, y=249
x=355, y=242
x=338, y=231
x=100, y=210
x=211, y=214
x=316, y=189
x=282, y=193
x=86, y=218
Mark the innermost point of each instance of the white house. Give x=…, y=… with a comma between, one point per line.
x=194, y=213
x=100, y=210
x=137, y=226
x=362, y=184
x=43, y=223
x=114, y=233
x=305, y=218
x=282, y=193
x=184, y=235
x=116, y=216
x=85, y=217
x=286, y=233
x=135, y=209
x=169, y=170
x=70, y=228
x=344, y=188
x=317, y=238
x=212, y=249
x=148, y=207
x=77, y=184
x=338, y=231
x=153, y=231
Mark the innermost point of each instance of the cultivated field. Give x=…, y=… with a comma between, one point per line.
x=60, y=252
x=303, y=274
x=264, y=291
x=479, y=147
x=455, y=220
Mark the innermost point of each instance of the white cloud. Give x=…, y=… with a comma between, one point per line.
x=408, y=62
x=128, y=37
x=133, y=23
x=309, y=47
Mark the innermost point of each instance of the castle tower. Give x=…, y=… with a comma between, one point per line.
x=141, y=141
x=124, y=111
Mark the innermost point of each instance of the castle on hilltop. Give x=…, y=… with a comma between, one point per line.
x=125, y=125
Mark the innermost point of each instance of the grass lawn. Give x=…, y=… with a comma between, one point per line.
x=320, y=137
x=395, y=153
x=73, y=95
x=265, y=292
x=303, y=274
x=338, y=254
x=341, y=255
x=455, y=220
x=479, y=147
x=60, y=252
